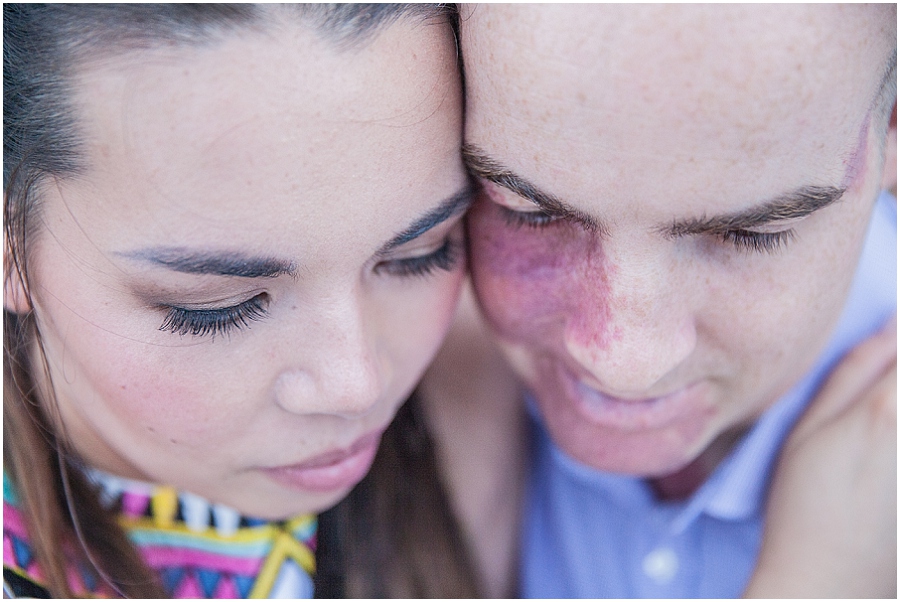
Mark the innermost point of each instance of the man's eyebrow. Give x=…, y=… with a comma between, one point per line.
x=493, y=171
x=793, y=205
x=226, y=263
x=447, y=208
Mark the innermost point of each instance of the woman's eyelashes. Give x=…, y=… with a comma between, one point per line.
x=212, y=322
x=225, y=320
x=446, y=258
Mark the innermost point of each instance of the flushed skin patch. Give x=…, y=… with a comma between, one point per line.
x=544, y=277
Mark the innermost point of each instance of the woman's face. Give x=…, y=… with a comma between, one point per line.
x=259, y=261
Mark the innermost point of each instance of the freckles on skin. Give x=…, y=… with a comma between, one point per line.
x=162, y=408
x=531, y=281
x=150, y=391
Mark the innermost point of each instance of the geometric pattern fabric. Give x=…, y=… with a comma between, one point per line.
x=247, y=558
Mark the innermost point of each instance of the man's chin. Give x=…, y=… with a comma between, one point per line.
x=647, y=467
x=650, y=454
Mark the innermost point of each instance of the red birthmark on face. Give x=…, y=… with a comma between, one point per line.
x=533, y=282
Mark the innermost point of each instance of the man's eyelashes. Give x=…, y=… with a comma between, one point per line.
x=759, y=242
x=529, y=219
x=743, y=240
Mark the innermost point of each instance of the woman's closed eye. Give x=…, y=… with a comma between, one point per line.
x=446, y=257
x=215, y=321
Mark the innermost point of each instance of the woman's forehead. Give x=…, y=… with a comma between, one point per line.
x=277, y=131
x=405, y=70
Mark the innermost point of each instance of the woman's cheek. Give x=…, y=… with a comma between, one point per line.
x=164, y=394
x=415, y=323
x=533, y=281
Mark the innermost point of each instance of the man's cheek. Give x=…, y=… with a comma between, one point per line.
x=532, y=281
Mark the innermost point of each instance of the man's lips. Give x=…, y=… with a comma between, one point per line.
x=633, y=414
x=333, y=470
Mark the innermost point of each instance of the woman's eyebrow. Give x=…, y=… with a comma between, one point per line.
x=230, y=263
x=226, y=263
x=447, y=208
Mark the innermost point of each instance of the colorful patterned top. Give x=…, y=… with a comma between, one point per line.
x=198, y=549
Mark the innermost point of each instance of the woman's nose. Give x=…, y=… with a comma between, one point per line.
x=339, y=371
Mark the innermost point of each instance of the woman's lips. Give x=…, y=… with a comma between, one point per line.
x=598, y=408
x=332, y=470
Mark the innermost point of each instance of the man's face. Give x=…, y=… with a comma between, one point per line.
x=674, y=204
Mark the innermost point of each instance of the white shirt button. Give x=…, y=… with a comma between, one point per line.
x=661, y=565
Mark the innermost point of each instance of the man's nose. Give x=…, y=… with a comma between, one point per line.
x=632, y=331
x=339, y=371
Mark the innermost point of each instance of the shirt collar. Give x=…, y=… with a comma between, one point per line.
x=736, y=489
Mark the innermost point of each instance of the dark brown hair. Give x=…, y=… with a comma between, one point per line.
x=394, y=536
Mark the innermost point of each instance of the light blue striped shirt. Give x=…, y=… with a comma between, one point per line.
x=590, y=534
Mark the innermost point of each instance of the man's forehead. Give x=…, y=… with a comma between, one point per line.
x=692, y=51
x=606, y=94
x=581, y=32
